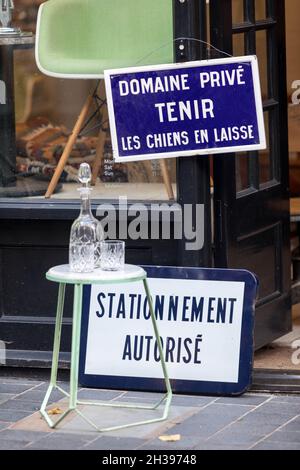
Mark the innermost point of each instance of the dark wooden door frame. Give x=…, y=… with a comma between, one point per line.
x=193, y=172
x=274, y=196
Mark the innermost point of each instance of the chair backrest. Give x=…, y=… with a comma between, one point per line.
x=82, y=38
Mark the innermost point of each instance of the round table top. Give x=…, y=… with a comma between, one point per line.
x=63, y=274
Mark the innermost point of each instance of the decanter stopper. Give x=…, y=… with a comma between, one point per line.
x=85, y=174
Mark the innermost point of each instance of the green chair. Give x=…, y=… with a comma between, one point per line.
x=82, y=38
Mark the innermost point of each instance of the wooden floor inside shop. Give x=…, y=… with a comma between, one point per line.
x=284, y=353
x=112, y=191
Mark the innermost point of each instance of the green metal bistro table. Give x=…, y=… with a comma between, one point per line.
x=63, y=276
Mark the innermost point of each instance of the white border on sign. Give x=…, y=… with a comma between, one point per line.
x=209, y=151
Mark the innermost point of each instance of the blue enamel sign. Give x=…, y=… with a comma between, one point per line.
x=205, y=319
x=194, y=108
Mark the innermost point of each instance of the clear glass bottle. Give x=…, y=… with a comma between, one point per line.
x=86, y=232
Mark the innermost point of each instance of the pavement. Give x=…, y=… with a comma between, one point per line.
x=251, y=421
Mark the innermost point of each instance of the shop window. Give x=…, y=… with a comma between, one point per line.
x=265, y=163
x=45, y=111
x=238, y=44
x=262, y=55
x=260, y=9
x=242, y=171
x=237, y=12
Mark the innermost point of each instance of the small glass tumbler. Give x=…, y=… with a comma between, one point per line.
x=112, y=256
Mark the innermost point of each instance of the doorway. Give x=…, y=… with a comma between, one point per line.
x=283, y=354
x=251, y=191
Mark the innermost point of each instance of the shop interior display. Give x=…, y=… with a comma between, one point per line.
x=40, y=141
x=40, y=145
x=45, y=111
x=138, y=35
x=25, y=13
x=6, y=12
x=38, y=96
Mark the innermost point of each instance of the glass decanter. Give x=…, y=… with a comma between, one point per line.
x=86, y=232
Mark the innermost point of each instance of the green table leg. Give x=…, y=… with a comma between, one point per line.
x=77, y=308
x=56, y=347
x=161, y=354
x=57, y=333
